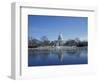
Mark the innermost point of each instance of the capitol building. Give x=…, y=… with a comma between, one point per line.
x=60, y=40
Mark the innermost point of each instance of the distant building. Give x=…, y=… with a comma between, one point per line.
x=59, y=42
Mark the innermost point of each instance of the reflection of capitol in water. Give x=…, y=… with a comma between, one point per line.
x=60, y=54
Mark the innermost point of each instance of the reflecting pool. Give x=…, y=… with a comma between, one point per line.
x=57, y=57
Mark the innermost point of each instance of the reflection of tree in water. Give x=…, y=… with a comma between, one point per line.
x=75, y=52
x=43, y=54
x=32, y=54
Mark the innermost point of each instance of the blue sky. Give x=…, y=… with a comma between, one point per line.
x=52, y=26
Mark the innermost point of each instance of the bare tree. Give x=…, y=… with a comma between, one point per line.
x=45, y=41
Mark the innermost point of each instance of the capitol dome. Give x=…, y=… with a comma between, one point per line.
x=60, y=40
x=60, y=37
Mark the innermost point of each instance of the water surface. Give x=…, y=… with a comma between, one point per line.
x=57, y=57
